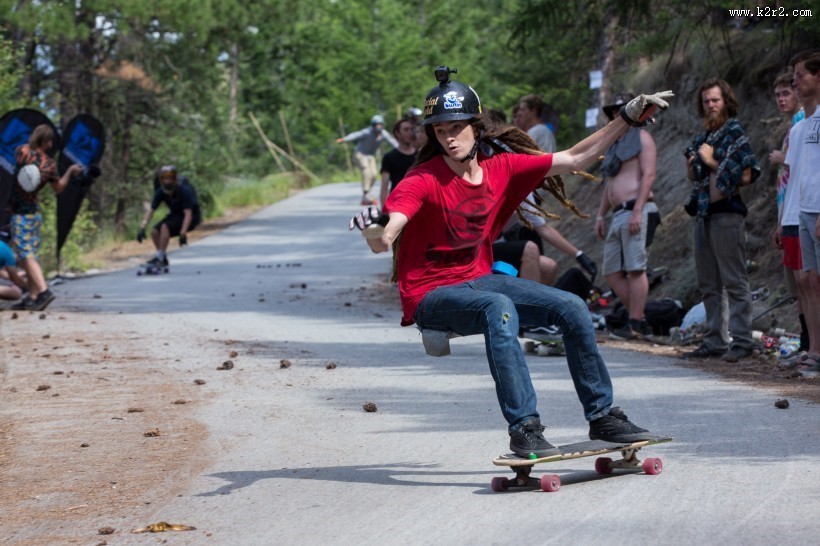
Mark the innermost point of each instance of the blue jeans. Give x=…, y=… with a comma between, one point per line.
x=496, y=306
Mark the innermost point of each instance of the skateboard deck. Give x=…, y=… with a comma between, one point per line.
x=522, y=466
x=544, y=344
x=152, y=270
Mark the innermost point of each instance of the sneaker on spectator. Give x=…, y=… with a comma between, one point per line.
x=25, y=304
x=43, y=300
x=736, y=353
x=703, y=352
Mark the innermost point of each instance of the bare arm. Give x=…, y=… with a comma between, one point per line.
x=383, y=189
x=554, y=238
x=647, y=160
x=391, y=232
x=187, y=215
x=61, y=184
x=602, y=210
x=147, y=217
x=588, y=150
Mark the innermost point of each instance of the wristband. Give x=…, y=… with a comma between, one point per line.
x=630, y=121
x=599, y=218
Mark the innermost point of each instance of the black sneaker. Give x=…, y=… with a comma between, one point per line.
x=736, y=353
x=43, y=300
x=645, y=330
x=624, y=333
x=155, y=261
x=703, y=352
x=528, y=439
x=25, y=304
x=615, y=427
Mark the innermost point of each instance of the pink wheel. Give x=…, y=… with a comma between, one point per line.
x=652, y=466
x=550, y=483
x=602, y=465
x=499, y=485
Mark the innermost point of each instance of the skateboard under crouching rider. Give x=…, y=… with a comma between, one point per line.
x=183, y=216
x=468, y=180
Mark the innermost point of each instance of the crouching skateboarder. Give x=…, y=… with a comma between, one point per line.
x=183, y=214
x=468, y=180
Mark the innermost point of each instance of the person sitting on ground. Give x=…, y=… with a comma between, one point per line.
x=34, y=164
x=11, y=281
x=469, y=179
x=183, y=215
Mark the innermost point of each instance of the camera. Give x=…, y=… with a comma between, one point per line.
x=443, y=74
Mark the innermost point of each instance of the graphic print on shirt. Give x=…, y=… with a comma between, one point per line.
x=813, y=131
x=464, y=231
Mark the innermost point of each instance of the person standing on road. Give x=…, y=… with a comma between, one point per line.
x=628, y=170
x=445, y=215
x=396, y=162
x=368, y=141
x=803, y=159
x=720, y=161
x=26, y=218
x=786, y=236
x=183, y=213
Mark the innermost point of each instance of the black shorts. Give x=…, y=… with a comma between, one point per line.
x=174, y=223
x=510, y=252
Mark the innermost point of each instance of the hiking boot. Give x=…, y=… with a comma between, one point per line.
x=615, y=427
x=25, y=304
x=703, y=352
x=735, y=353
x=528, y=439
x=43, y=300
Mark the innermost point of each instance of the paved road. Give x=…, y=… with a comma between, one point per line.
x=295, y=460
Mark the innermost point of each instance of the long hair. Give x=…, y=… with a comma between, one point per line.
x=730, y=102
x=40, y=136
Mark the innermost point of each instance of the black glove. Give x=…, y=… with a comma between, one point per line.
x=141, y=235
x=183, y=239
x=588, y=265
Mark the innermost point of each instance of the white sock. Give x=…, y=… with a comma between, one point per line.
x=160, y=254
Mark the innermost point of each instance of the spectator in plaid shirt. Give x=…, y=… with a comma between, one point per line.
x=719, y=162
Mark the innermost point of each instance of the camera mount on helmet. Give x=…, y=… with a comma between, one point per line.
x=443, y=74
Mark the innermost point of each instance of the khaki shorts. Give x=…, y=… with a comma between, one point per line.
x=622, y=251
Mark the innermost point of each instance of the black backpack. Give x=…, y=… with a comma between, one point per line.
x=574, y=281
x=663, y=315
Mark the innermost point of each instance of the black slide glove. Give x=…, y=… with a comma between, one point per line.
x=183, y=239
x=141, y=235
x=588, y=265
x=366, y=217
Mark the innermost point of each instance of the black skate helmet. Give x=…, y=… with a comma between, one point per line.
x=449, y=100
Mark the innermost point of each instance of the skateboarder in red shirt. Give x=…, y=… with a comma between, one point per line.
x=447, y=212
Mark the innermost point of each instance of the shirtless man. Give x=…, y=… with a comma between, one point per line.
x=629, y=172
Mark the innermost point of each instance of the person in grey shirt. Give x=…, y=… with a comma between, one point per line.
x=368, y=141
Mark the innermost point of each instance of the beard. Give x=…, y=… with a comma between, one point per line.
x=713, y=122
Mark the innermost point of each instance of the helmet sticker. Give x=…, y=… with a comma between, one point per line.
x=452, y=100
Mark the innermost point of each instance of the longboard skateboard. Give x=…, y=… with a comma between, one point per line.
x=522, y=466
x=152, y=270
x=544, y=344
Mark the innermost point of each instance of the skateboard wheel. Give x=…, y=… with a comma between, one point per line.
x=499, y=485
x=550, y=483
x=652, y=466
x=602, y=465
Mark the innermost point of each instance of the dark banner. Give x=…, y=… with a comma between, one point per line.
x=15, y=128
x=83, y=144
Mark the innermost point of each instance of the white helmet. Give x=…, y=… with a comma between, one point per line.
x=29, y=178
x=377, y=119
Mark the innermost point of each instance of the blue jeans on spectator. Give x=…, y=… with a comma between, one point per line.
x=496, y=306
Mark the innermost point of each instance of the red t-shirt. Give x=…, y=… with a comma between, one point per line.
x=452, y=223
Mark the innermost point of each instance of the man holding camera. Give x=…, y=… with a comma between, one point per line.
x=718, y=163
